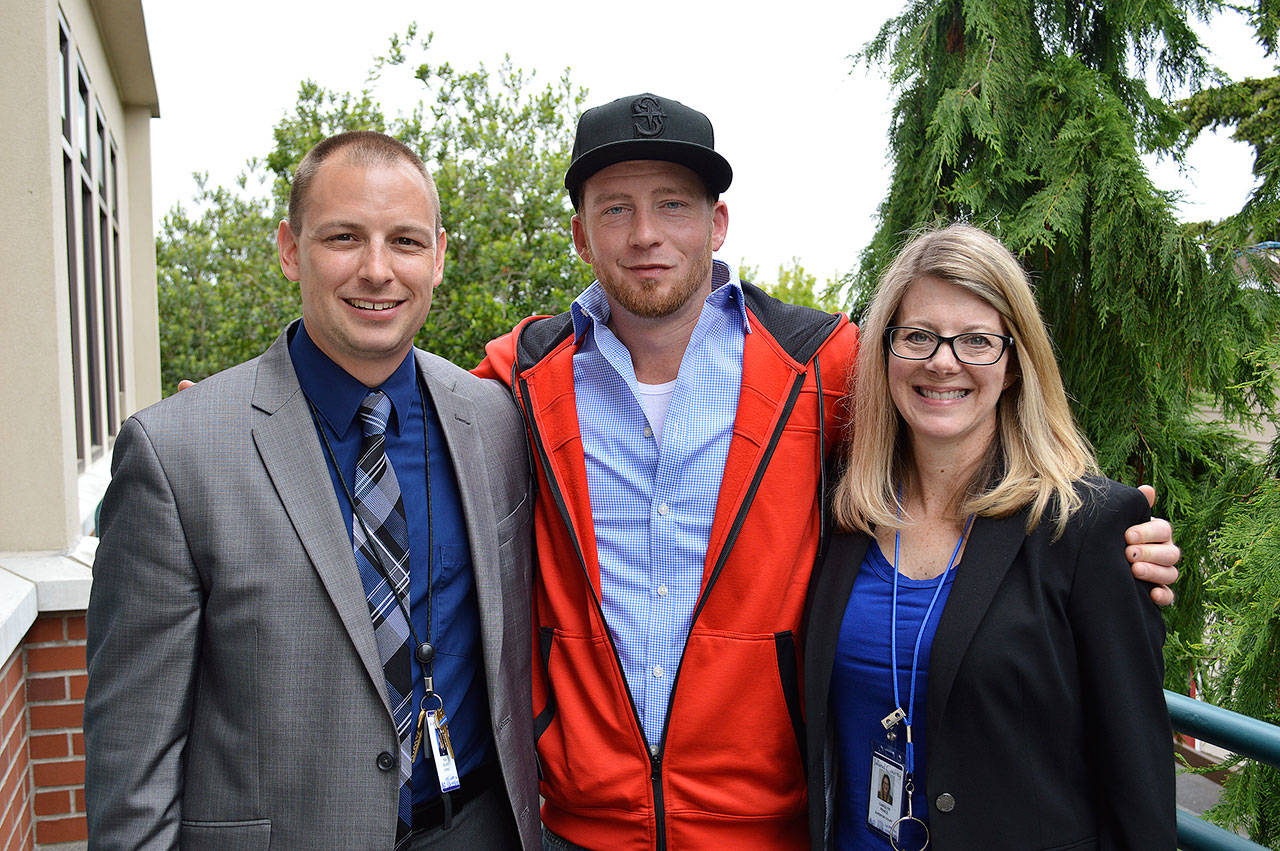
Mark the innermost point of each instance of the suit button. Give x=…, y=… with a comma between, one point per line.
x=386, y=761
x=945, y=803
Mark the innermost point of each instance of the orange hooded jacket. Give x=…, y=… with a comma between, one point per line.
x=728, y=772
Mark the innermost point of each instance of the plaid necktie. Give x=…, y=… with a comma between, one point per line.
x=380, y=510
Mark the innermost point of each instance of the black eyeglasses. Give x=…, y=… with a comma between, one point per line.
x=976, y=348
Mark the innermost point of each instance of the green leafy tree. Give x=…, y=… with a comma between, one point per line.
x=796, y=285
x=1029, y=117
x=222, y=298
x=498, y=146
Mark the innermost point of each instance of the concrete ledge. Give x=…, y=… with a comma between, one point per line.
x=17, y=611
x=61, y=582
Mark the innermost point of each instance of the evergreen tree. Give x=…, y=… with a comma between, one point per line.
x=1246, y=637
x=1029, y=118
x=1245, y=623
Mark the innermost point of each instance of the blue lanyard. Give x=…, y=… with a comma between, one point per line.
x=915, y=654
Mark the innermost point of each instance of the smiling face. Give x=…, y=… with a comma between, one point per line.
x=648, y=230
x=366, y=258
x=942, y=401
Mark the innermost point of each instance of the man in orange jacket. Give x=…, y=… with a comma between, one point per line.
x=679, y=420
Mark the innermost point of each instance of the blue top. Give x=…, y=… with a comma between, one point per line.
x=862, y=688
x=653, y=506
x=455, y=621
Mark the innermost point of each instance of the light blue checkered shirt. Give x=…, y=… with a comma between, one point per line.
x=653, y=507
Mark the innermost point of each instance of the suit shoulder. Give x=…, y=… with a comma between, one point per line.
x=1108, y=501
x=211, y=399
x=490, y=396
x=465, y=381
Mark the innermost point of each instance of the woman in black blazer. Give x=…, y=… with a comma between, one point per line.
x=981, y=569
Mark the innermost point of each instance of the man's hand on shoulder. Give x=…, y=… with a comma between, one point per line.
x=185, y=383
x=1152, y=553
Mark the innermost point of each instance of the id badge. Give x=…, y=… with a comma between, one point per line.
x=885, y=798
x=442, y=750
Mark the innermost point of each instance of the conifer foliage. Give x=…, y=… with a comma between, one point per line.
x=1029, y=118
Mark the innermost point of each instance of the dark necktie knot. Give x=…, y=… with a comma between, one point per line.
x=375, y=412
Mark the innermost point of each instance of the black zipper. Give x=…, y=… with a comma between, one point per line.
x=656, y=759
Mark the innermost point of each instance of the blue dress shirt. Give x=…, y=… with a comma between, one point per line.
x=653, y=506
x=436, y=526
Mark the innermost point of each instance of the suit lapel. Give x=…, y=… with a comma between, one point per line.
x=458, y=416
x=286, y=441
x=993, y=545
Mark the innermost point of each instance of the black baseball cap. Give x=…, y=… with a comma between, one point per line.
x=645, y=127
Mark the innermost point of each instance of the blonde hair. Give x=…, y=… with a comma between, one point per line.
x=1037, y=454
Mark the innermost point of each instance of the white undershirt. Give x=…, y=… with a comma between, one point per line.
x=654, y=400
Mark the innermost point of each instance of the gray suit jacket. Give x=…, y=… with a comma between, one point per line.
x=236, y=698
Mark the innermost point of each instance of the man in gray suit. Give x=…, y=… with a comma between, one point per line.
x=309, y=624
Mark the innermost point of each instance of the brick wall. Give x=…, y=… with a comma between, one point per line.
x=55, y=669
x=15, y=785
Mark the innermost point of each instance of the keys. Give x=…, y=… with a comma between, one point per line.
x=417, y=739
x=442, y=724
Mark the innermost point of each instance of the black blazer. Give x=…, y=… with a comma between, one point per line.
x=1047, y=727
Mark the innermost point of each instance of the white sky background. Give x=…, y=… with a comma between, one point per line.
x=806, y=138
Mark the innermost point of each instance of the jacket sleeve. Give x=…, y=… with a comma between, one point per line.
x=1119, y=635
x=143, y=645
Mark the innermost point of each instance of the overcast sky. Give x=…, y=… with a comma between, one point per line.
x=803, y=128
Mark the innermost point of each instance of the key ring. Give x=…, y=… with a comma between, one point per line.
x=895, y=829
x=422, y=704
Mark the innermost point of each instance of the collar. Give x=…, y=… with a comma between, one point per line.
x=591, y=308
x=337, y=395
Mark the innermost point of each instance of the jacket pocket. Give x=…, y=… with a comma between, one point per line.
x=789, y=677
x=733, y=745
x=543, y=719
x=226, y=835
x=591, y=750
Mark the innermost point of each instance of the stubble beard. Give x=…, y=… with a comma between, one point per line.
x=649, y=300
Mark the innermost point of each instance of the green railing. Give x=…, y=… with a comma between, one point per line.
x=1239, y=734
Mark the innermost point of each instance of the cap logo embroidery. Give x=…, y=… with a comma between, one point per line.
x=648, y=116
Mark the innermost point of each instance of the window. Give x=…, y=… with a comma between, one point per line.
x=90, y=165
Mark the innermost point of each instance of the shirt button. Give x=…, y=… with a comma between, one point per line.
x=648, y=432
x=653, y=749
x=662, y=509
x=662, y=590
x=657, y=670
x=945, y=802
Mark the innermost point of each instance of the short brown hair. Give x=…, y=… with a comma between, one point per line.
x=364, y=147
